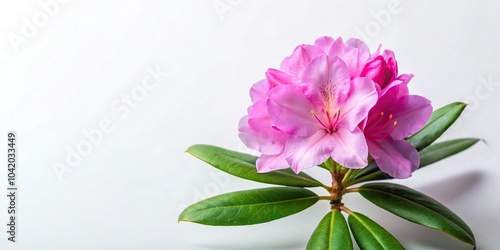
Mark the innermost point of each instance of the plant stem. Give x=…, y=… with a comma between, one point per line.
x=337, y=190
x=347, y=176
x=344, y=209
x=363, y=179
x=326, y=187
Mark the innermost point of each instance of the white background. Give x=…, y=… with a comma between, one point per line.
x=126, y=193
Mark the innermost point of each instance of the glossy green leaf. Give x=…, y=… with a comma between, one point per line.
x=250, y=206
x=371, y=236
x=439, y=151
x=332, y=233
x=418, y=208
x=439, y=122
x=429, y=155
x=243, y=166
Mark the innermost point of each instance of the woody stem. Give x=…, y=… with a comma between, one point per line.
x=337, y=190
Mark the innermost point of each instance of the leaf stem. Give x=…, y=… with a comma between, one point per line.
x=351, y=190
x=326, y=187
x=363, y=179
x=345, y=209
x=325, y=198
x=347, y=176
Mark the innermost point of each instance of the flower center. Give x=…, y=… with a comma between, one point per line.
x=331, y=121
x=380, y=127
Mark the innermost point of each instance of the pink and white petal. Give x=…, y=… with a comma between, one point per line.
x=267, y=163
x=349, y=148
x=327, y=81
x=259, y=90
x=259, y=135
x=298, y=61
x=337, y=48
x=290, y=111
x=305, y=152
x=396, y=158
x=356, y=56
x=277, y=77
x=362, y=97
x=324, y=43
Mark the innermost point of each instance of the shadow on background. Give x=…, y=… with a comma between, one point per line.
x=275, y=246
x=453, y=187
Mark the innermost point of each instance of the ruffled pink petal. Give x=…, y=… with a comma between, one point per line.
x=324, y=43
x=295, y=64
x=267, y=163
x=362, y=97
x=349, y=148
x=277, y=77
x=259, y=90
x=392, y=64
x=396, y=158
x=291, y=111
x=305, y=152
x=356, y=56
x=337, y=48
x=400, y=83
x=257, y=133
x=327, y=80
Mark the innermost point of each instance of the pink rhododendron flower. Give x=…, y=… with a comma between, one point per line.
x=396, y=116
x=334, y=99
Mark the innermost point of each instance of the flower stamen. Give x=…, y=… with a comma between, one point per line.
x=337, y=118
x=388, y=133
x=320, y=122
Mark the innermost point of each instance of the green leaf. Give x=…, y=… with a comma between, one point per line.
x=243, y=166
x=418, y=208
x=331, y=233
x=439, y=151
x=429, y=155
x=329, y=165
x=250, y=206
x=439, y=122
x=370, y=235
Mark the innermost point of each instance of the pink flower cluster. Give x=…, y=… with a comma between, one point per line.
x=335, y=99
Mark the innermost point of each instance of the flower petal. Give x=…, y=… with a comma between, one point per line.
x=267, y=163
x=324, y=43
x=277, y=77
x=327, y=80
x=410, y=111
x=337, y=48
x=356, y=56
x=295, y=64
x=396, y=158
x=362, y=97
x=413, y=113
x=401, y=83
x=259, y=90
x=305, y=152
x=257, y=133
x=291, y=111
x=349, y=148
